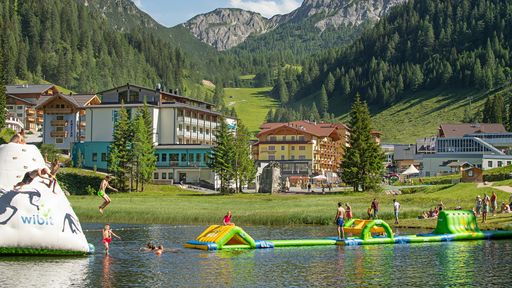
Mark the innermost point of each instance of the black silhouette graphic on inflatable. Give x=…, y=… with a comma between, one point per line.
x=6, y=198
x=72, y=223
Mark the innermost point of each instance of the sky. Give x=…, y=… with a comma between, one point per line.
x=173, y=12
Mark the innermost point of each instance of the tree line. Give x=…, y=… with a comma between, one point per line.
x=420, y=45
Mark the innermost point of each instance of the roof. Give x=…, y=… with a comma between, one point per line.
x=404, y=152
x=459, y=130
x=456, y=164
x=316, y=129
x=78, y=100
x=28, y=88
x=28, y=101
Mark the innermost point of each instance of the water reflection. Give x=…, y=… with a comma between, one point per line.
x=434, y=264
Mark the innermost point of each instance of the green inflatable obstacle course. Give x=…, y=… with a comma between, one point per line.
x=451, y=226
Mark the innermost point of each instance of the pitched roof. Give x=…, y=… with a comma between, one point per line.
x=28, y=101
x=404, y=152
x=319, y=130
x=459, y=130
x=28, y=88
x=78, y=100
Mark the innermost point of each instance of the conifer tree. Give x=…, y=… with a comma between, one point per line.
x=120, y=149
x=270, y=116
x=362, y=162
x=221, y=158
x=314, y=116
x=323, y=103
x=283, y=91
x=509, y=112
x=244, y=168
x=143, y=149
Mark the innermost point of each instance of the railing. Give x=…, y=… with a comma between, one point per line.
x=31, y=112
x=182, y=164
x=39, y=120
x=58, y=110
x=12, y=122
x=62, y=134
x=59, y=123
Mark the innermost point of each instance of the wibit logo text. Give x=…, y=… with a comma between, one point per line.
x=37, y=220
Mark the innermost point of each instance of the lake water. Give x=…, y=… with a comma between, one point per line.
x=456, y=264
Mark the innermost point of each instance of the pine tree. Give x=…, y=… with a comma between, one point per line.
x=329, y=83
x=314, y=116
x=244, y=168
x=362, y=162
x=323, y=103
x=221, y=157
x=487, y=113
x=499, y=110
x=143, y=149
x=282, y=91
x=120, y=154
x=270, y=116
x=218, y=96
x=510, y=112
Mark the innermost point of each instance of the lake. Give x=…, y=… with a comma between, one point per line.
x=472, y=263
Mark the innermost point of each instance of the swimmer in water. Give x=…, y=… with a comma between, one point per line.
x=159, y=250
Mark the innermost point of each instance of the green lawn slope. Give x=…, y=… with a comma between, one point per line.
x=251, y=105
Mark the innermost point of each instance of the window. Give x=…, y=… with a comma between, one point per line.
x=187, y=128
x=94, y=157
x=183, y=157
x=59, y=140
x=164, y=175
x=293, y=157
x=201, y=130
x=302, y=138
x=470, y=173
x=169, y=176
x=60, y=117
x=19, y=115
x=191, y=157
x=489, y=163
x=282, y=148
x=164, y=159
x=207, y=131
x=272, y=138
x=271, y=148
x=174, y=157
x=198, y=157
x=157, y=156
x=19, y=107
x=302, y=148
x=155, y=175
x=282, y=157
x=10, y=107
x=284, y=138
x=293, y=138
x=194, y=129
x=104, y=157
x=500, y=163
x=271, y=157
x=180, y=127
x=302, y=157
x=59, y=129
x=293, y=148
x=508, y=162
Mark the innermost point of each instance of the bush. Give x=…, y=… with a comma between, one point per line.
x=90, y=191
x=497, y=177
x=78, y=184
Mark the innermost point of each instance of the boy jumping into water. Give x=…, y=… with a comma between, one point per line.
x=101, y=192
x=31, y=175
x=107, y=237
x=340, y=221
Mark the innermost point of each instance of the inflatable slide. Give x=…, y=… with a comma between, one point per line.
x=35, y=219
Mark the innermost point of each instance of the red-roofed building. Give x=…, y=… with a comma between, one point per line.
x=302, y=147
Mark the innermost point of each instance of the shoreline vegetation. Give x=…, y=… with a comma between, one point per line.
x=173, y=205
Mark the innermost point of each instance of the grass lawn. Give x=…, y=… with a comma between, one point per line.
x=171, y=205
x=247, y=77
x=251, y=105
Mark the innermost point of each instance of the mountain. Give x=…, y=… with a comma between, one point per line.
x=226, y=28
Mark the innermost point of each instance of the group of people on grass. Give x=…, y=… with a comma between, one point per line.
x=486, y=205
x=344, y=214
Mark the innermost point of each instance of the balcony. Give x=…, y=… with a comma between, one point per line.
x=59, y=123
x=31, y=119
x=31, y=112
x=39, y=120
x=58, y=110
x=82, y=124
x=59, y=134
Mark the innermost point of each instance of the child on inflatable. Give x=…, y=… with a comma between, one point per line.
x=227, y=219
x=31, y=175
x=107, y=237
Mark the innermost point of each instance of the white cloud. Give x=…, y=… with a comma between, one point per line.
x=267, y=8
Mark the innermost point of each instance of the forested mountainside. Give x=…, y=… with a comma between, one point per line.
x=65, y=42
x=421, y=45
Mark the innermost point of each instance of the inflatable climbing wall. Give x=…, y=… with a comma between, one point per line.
x=35, y=219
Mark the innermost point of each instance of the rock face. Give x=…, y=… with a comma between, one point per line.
x=226, y=28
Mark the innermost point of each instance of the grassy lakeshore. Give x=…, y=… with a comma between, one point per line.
x=171, y=205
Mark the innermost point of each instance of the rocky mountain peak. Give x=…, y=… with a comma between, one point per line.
x=225, y=28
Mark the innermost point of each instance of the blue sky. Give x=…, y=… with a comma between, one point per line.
x=172, y=12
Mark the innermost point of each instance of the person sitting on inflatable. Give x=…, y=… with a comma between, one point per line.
x=31, y=175
x=227, y=219
x=107, y=237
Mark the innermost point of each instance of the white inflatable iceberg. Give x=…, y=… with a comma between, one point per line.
x=34, y=219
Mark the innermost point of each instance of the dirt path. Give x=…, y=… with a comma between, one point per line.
x=507, y=189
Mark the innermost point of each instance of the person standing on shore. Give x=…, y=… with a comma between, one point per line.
x=485, y=207
x=348, y=211
x=340, y=222
x=494, y=203
x=375, y=208
x=101, y=192
x=396, y=209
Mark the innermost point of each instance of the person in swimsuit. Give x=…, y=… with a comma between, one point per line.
x=31, y=175
x=159, y=250
x=348, y=212
x=340, y=213
x=150, y=247
x=101, y=192
x=54, y=167
x=227, y=219
x=107, y=237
